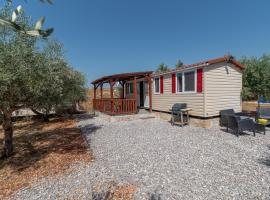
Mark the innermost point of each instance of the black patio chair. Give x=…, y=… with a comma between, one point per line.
x=223, y=121
x=263, y=113
x=239, y=125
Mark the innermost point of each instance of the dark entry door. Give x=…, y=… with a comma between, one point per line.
x=141, y=94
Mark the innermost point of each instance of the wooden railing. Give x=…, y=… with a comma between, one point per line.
x=115, y=106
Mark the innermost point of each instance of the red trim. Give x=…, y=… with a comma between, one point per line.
x=173, y=83
x=199, y=80
x=161, y=84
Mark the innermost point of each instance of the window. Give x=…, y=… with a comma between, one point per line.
x=157, y=85
x=186, y=82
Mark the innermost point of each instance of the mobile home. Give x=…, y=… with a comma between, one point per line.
x=207, y=87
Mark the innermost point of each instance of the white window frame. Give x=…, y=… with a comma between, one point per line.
x=183, y=82
x=155, y=85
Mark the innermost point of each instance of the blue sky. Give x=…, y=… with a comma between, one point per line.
x=103, y=37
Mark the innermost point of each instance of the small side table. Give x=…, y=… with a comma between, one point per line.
x=261, y=127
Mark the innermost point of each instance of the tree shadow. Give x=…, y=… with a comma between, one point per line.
x=266, y=160
x=155, y=196
x=243, y=133
x=89, y=129
x=33, y=143
x=85, y=116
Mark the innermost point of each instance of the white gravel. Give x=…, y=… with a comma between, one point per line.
x=165, y=160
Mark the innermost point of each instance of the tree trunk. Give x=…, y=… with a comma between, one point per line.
x=45, y=117
x=8, y=133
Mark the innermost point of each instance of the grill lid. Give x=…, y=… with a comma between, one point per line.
x=179, y=106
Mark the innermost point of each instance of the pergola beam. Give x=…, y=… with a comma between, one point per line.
x=122, y=77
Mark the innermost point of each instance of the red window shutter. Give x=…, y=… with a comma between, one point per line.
x=161, y=84
x=199, y=80
x=173, y=83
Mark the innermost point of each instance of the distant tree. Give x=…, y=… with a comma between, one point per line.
x=49, y=82
x=57, y=85
x=162, y=68
x=179, y=64
x=256, y=77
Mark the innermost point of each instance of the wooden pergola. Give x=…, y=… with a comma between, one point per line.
x=123, y=105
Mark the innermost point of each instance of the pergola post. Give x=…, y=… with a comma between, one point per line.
x=111, y=93
x=123, y=91
x=135, y=92
x=122, y=83
x=95, y=97
x=101, y=91
x=111, y=89
x=150, y=93
x=95, y=91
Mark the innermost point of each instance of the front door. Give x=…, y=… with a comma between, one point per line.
x=141, y=94
x=146, y=96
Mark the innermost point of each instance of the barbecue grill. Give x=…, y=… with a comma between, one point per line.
x=180, y=112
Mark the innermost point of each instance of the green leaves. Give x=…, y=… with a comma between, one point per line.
x=256, y=77
x=56, y=84
x=35, y=76
x=162, y=68
x=179, y=64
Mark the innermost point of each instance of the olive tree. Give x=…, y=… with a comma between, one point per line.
x=57, y=85
x=32, y=78
x=16, y=76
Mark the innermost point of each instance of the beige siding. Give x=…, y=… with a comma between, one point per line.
x=223, y=85
x=164, y=102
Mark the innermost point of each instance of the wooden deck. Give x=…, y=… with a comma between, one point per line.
x=115, y=106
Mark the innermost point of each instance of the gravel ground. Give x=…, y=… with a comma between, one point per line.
x=165, y=160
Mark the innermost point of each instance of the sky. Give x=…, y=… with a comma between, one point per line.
x=103, y=37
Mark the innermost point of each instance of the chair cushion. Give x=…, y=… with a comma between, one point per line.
x=263, y=121
x=243, y=117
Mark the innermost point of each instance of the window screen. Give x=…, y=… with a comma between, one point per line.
x=190, y=81
x=156, y=85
